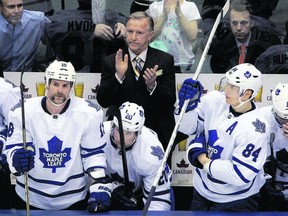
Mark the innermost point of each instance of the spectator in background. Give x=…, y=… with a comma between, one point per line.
x=109, y=24
x=242, y=44
x=70, y=37
x=274, y=60
x=20, y=34
x=45, y=6
x=263, y=9
x=74, y=37
x=151, y=84
x=176, y=29
x=109, y=31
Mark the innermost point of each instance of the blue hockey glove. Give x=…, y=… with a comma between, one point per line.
x=122, y=201
x=100, y=195
x=190, y=90
x=1, y=146
x=23, y=160
x=3, y=135
x=3, y=160
x=196, y=147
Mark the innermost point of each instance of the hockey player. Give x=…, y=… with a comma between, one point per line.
x=64, y=137
x=144, y=154
x=230, y=148
x=275, y=193
x=9, y=96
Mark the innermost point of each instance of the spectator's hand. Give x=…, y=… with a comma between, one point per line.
x=190, y=90
x=121, y=64
x=150, y=77
x=104, y=32
x=23, y=160
x=197, y=146
x=169, y=5
x=119, y=30
x=100, y=195
x=178, y=9
x=121, y=200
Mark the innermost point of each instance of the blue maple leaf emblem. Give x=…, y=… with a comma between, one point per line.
x=214, y=152
x=158, y=152
x=259, y=126
x=217, y=150
x=54, y=157
x=247, y=74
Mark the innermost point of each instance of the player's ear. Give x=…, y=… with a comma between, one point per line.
x=247, y=94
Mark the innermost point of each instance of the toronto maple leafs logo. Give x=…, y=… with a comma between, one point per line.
x=247, y=74
x=158, y=152
x=55, y=157
x=259, y=126
x=214, y=151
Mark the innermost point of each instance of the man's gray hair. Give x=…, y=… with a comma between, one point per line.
x=142, y=15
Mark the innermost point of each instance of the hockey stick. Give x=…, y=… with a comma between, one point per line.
x=273, y=160
x=24, y=142
x=115, y=111
x=174, y=133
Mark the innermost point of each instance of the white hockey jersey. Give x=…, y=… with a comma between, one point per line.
x=280, y=148
x=9, y=96
x=66, y=146
x=237, y=147
x=143, y=161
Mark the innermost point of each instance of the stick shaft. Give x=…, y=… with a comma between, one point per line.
x=115, y=111
x=24, y=143
x=123, y=154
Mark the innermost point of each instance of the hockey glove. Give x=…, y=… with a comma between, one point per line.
x=122, y=201
x=23, y=160
x=190, y=90
x=196, y=147
x=3, y=162
x=100, y=195
x=1, y=145
x=272, y=196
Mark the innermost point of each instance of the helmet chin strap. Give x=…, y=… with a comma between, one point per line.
x=241, y=103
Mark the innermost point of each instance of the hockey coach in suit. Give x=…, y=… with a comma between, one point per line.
x=142, y=75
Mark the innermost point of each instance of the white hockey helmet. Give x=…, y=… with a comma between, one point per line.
x=245, y=76
x=60, y=70
x=132, y=117
x=280, y=101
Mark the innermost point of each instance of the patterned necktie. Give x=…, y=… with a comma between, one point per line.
x=138, y=65
x=242, y=54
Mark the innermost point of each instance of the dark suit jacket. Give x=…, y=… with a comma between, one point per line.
x=159, y=106
x=225, y=53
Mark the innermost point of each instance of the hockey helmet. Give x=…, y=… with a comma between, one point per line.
x=132, y=117
x=245, y=76
x=60, y=70
x=280, y=102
